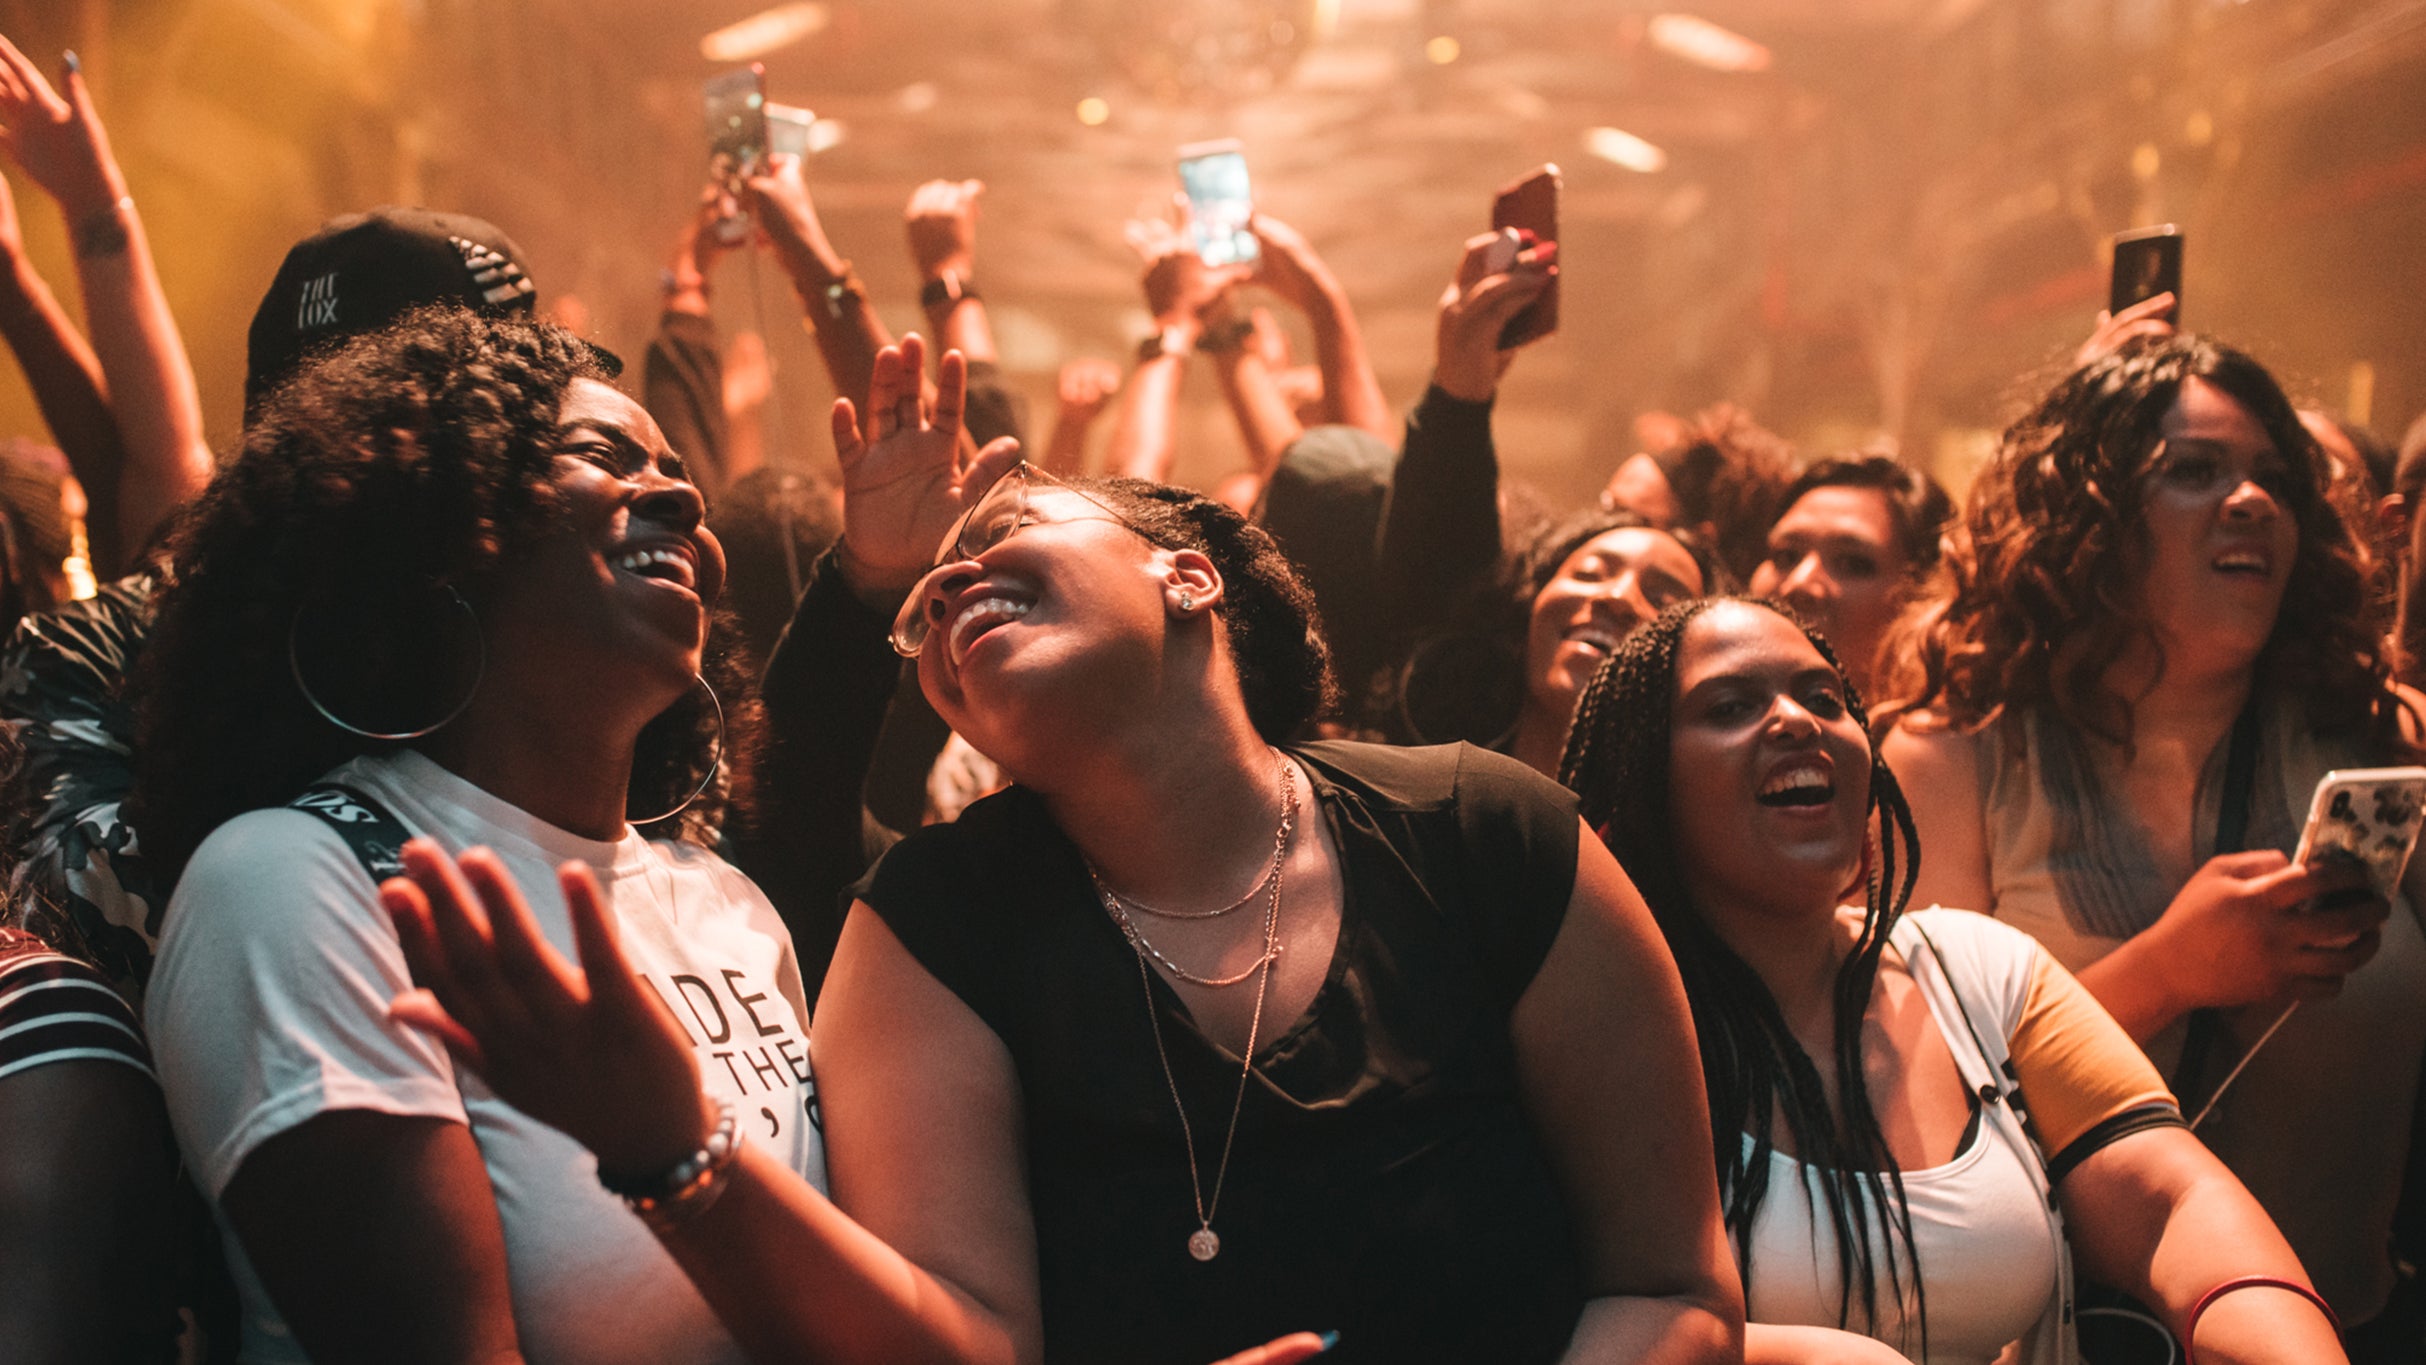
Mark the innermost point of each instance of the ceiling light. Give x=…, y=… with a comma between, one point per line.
x=1704, y=43
x=826, y=134
x=763, y=32
x=1092, y=111
x=1442, y=50
x=1625, y=149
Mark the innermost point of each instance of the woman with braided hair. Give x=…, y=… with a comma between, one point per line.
x=1876, y=1062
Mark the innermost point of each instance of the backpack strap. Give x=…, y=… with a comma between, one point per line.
x=370, y=829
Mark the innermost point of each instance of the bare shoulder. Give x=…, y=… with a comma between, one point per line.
x=1932, y=757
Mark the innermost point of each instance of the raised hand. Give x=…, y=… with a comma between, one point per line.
x=56, y=139
x=1179, y=286
x=1477, y=306
x=1287, y=265
x=591, y=1051
x=905, y=480
x=787, y=221
x=1084, y=386
x=2143, y=319
x=1286, y=1350
x=942, y=225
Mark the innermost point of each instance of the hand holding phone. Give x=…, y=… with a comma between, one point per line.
x=735, y=109
x=2147, y=262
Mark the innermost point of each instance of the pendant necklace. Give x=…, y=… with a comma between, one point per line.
x=1204, y=1244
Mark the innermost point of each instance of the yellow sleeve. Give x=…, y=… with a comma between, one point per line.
x=2078, y=1070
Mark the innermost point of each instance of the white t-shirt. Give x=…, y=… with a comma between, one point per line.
x=268, y=1006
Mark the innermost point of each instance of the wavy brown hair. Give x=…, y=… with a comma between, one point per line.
x=2043, y=605
x=405, y=463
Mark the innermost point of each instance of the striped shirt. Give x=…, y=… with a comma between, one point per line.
x=54, y=1008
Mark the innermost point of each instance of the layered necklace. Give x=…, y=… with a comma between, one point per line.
x=1204, y=1244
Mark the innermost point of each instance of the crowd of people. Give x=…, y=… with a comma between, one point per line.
x=504, y=863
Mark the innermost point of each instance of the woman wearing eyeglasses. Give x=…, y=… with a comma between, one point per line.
x=1193, y=1037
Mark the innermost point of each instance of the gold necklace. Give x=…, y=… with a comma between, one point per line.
x=1204, y=1244
x=1117, y=905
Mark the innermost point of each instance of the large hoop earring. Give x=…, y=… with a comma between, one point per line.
x=294, y=664
x=715, y=761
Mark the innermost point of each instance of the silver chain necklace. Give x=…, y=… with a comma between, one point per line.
x=1204, y=1244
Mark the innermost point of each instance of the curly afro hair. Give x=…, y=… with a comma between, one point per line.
x=375, y=487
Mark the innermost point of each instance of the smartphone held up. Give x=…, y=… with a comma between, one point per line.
x=1221, y=205
x=2147, y=262
x=1528, y=209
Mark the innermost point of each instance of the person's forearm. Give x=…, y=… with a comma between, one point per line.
x=1145, y=434
x=1679, y=1329
x=1066, y=449
x=842, y=319
x=961, y=326
x=792, y=1277
x=2216, y=1232
x=1351, y=395
x=1440, y=531
x=2128, y=983
x=151, y=383
x=1264, y=420
x=68, y=388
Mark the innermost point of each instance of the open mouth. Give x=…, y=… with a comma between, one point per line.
x=2242, y=564
x=663, y=563
x=1602, y=641
x=1801, y=786
x=983, y=615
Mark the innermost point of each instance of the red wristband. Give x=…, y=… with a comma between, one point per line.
x=2190, y=1326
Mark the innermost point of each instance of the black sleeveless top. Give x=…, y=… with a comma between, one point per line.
x=1385, y=1182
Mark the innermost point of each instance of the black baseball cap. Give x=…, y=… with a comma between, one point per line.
x=361, y=271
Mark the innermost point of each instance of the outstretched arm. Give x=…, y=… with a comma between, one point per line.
x=848, y=332
x=57, y=140
x=1288, y=266
x=63, y=373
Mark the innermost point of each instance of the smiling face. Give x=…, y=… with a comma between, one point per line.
x=2218, y=534
x=1608, y=587
x=610, y=596
x=1769, y=774
x=1056, y=619
x=1835, y=557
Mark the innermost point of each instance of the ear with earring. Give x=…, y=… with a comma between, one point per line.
x=1187, y=602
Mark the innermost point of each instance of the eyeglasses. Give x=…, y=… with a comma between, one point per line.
x=998, y=512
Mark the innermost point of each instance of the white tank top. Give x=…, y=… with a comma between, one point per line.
x=1986, y=1251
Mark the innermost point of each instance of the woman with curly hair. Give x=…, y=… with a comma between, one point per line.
x=454, y=587
x=1876, y=1063
x=2158, y=642
x=1195, y=1034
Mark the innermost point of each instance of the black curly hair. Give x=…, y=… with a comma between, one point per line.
x=1618, y=764
x=1275, y=630
x=376, y=484
x=2043, y=606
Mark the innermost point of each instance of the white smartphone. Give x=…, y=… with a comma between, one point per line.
x=2369, y=816
x=1213, y=175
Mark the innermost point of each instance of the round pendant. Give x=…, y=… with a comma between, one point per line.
x=1203, y=1244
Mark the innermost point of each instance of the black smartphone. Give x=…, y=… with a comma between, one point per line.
x=1213, y=175
x=1530, y=208
x=2147, y=262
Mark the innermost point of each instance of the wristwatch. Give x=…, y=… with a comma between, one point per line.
x=1170, y=341
x=945, y=291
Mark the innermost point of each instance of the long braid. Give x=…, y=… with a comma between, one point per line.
x=1753, y=1069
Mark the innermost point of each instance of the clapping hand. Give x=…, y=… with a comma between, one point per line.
x=587, y=1050
x=905, y=479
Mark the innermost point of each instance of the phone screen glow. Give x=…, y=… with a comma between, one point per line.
x=1219, y=206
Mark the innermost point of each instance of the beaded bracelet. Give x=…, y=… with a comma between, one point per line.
x=2190, y=1326
x=674, y=1196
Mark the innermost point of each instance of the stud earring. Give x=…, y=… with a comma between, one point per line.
x=1187, y=601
